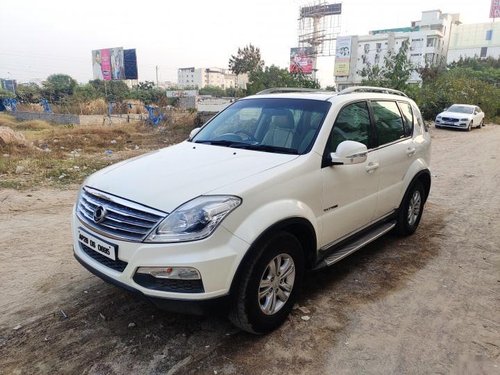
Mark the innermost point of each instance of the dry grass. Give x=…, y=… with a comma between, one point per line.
x=58, y=155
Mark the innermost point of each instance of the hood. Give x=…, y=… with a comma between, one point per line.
x=166, y=178
x=456, y=115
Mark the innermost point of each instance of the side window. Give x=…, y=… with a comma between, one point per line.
x=407, y=117
x=352, y=124
x=388, y=121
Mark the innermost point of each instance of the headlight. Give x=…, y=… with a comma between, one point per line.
x=438, y=118
x=195, y=219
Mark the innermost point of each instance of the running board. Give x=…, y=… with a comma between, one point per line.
x=355, y=246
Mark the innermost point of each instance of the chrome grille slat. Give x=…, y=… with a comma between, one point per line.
x=121, y=222
x=125, y=211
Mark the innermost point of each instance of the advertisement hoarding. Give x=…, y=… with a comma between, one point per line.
x=108, y=64
x=342, y=56
x=130, y=62
x=495, y=9
x=321, y=10
x=301, y=60
x=8, y=85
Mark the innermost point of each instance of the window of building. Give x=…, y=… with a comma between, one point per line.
x=388, y=122
x=367, y=48
x=489, y=34
x=379, y=47
x=484, y=51
x=431, y=42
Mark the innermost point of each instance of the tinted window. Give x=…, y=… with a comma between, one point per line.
x=407, y=117
x=388, y=122
x=352, y=124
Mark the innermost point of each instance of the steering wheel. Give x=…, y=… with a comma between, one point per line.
x=249, y=136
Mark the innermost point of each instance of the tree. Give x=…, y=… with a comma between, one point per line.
x=149, y=94
x=247, y=60
x=58, y=87
x=28, y=92
x=273, y=76
x=394, y=73
x=113, y=91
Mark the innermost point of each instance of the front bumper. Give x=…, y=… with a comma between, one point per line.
x=196, y=307
x=455, y=125
x=216, y=258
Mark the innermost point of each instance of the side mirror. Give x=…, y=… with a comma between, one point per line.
x=349, y=152
x=193, y=133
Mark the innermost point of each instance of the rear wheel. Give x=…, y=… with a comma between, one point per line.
x=481, y=125
x=268, y=287
x=411, y=209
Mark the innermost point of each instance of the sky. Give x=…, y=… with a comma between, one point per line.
x=40, y=38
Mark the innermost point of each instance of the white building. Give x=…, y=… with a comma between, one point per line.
x=428, y=39
x=202, y=77
x=479, y=40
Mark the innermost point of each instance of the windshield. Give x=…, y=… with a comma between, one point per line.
x=460, y=109
x=271, y=125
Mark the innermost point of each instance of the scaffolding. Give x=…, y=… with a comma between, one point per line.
x=319, y=25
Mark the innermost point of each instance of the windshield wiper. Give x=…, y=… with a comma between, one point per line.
x=269, y=148
x=250, y=146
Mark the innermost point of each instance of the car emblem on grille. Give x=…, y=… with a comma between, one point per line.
x=99, y=214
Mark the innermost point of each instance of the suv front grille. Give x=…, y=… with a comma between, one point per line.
x=123, y=220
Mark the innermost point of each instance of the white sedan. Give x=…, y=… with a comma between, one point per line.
x=461, y=116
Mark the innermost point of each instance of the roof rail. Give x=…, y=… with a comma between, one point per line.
x=277, y=90
x=382, y=90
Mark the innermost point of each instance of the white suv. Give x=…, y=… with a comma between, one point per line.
x=276, y=184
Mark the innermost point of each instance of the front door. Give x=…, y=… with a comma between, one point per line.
x=349, y=191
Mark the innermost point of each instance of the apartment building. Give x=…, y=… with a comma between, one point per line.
x=428, y=38
x=478, y=40
x=202, y=77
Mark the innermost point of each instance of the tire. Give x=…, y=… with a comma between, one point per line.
x=414, y=200
x=469, y=128
x=256, y=315
x=481, y=125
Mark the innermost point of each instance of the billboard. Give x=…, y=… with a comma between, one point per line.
x=301, y=60
x=8, y=85
x=342, y=56
x=114, y=64
x=321, y=10
x=495, y=9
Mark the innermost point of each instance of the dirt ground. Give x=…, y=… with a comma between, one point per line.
x=424, y=304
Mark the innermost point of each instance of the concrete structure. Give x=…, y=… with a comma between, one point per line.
x=202, y=77
x=428, y=39
x=479, y=40
x=68, y=118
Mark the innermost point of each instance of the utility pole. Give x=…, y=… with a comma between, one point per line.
x=157, y=85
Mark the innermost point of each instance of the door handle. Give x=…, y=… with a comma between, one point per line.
x=411, y=151
x=370, y=168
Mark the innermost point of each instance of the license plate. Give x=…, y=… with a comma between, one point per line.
x=102, y=247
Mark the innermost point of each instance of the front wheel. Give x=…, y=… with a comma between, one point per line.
x=269, y=285
x=469, y=128
x=411, y=209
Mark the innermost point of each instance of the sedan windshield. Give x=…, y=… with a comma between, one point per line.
x=460, y=109
x=278, y=125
